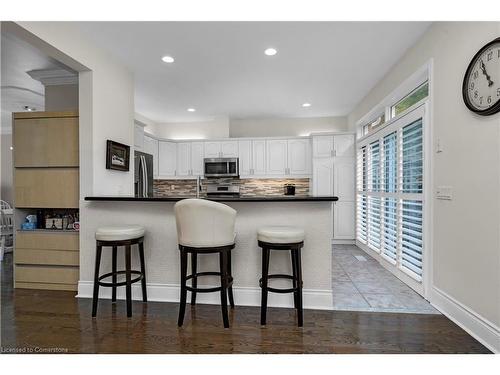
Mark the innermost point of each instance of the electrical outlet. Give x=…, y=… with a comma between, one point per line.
x=444, y=192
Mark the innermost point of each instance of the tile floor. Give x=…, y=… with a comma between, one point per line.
x=367, y=286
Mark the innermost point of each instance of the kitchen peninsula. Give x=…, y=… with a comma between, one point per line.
x=156, y=214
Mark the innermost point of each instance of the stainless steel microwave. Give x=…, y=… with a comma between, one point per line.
x=221, y=167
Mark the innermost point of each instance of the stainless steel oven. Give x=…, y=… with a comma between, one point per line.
x=221, y=167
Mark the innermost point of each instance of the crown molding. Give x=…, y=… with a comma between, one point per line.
x=53, y=77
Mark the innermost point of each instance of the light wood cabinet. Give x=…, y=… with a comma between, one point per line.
x=45, y=141
x=46, y=176
x=46, y=187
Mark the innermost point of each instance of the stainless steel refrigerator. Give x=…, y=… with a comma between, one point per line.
x=143, y=178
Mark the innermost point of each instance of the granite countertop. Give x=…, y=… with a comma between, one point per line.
x=246, y=198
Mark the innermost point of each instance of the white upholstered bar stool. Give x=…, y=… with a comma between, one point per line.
x=115, y=236
x=205, y=227
x=281, y=238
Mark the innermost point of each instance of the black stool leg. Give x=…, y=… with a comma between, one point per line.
x=182, y=307
x=113, y=268
x=265, y=272
x=143, y=271
x=194, y=266
x=128, y=278
x=294, y=281
x=299, y=286
x=96, y=280
x=230, y=274
x=223, y=291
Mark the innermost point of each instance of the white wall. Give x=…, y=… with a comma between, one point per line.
x=149, y=125
x=466, y=243
x=6, y=191
x=61, y=97
x=222, y=127
x=106, y=101
x=276, y=127
x=217, y=128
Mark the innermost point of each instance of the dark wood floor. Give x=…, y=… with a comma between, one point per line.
x=57, y=321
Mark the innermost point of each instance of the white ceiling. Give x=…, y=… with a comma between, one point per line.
x=220, y=68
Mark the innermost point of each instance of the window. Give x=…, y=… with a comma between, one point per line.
x=374, y=124
x=412, y=98
x=390, y=191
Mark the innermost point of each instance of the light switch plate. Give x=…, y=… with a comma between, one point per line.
x=444, y=192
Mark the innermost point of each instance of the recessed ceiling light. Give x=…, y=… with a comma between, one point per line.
x=11, y=148
x=191, y=110
x=271, y=51
x=168, y=59
x=306, y=105
x=29, y=109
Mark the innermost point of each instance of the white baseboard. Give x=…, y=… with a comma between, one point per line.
x=313, y=298
x=475, y=325
x=343, y=242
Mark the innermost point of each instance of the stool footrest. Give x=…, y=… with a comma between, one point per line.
x=207, y=290
x=121, y=283
x=280, y=290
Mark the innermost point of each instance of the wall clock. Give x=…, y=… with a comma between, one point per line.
x=481, y=86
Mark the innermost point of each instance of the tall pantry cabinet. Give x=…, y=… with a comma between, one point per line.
x=334, y=174
x=46, y=178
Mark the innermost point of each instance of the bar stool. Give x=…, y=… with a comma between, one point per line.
x=281, y=238
x=114, y=236
x=205, y=227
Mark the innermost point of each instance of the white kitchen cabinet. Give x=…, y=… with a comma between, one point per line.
x=322, y=146
x=334, y=167
x=212, y=149
x=344, y=178
x=197, y=154
x=138, y=137
x=245, y=157
x=258, y=158
x=229, y=149
x=343, y=145
x=221, y=149
x=276, y=152
x=299, y=157
x=323, y=177
x=167, y=159
x=344, y=226
x=151, y=147
x=183, y=159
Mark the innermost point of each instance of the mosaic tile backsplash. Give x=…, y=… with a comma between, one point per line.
x=248, y=187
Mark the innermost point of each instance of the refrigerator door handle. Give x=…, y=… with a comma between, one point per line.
x=144, y=177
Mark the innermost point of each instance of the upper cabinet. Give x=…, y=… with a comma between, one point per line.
x=323, y=146
x=183, y=159
x=343, y=145
x=299, y=156
x=245, y=157
x=151, y=147
x=258, y=158
x=221, y=149
x=167, y=159
x=276, y=157
x=326, y=146
x=197, y=155
x=138, y=137
x=46, y=141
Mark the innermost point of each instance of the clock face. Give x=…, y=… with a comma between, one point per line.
x=481, y=86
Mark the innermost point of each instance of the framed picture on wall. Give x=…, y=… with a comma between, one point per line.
x=117, y=156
